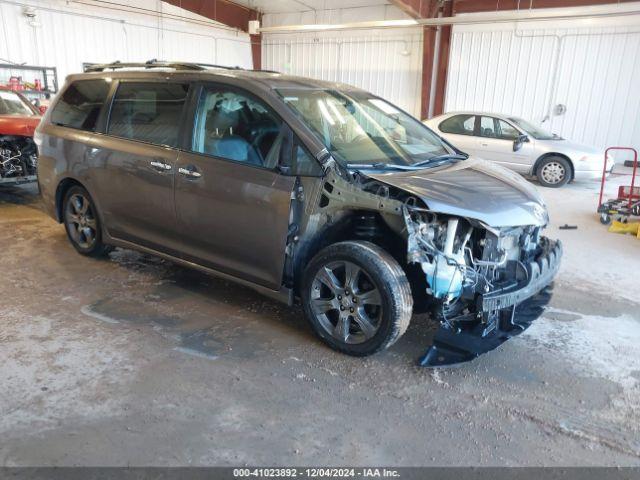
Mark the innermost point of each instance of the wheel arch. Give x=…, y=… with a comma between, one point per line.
x=349, y=227
x=542, y=157
x=61, y=190
x=63, y=187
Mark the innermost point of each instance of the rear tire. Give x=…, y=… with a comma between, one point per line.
x=554, y=172
x=356, y=297
x=82, y=223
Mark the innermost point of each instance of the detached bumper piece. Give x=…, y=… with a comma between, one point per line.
x=18, y=180
x=501, y=315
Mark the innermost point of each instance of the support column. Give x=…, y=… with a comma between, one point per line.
x=428, y=51
x=443, y=61
x=230, y=14
x=425, y=9
x=256, y=44
x=256, y=51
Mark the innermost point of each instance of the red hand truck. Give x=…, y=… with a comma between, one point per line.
x=628, y=201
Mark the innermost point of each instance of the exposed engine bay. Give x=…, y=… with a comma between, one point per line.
x=18, y=158
x=461, y=257
x=478, y=276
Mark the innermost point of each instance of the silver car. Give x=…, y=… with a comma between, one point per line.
x=521, y=146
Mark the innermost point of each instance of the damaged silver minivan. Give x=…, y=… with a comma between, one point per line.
x=303, y=190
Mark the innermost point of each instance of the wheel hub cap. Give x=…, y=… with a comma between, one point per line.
x=553, y=172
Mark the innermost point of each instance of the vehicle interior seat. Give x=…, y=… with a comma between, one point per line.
x=221, y=139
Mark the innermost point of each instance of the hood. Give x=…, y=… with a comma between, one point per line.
x=475, y=189
x=18, y=125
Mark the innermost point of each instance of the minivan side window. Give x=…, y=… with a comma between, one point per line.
x=459, y=125
x=148, y=112
x=235, y=126
x=80, y=104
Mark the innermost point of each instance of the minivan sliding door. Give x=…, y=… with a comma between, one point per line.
x=136, y=162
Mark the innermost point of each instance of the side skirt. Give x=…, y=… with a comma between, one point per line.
x=284, y=295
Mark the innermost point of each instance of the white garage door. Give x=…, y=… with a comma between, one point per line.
x=580, y=81
x=385, y=62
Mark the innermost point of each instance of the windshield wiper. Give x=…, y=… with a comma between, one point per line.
x=393, y=166
x=441, y=158
x=378, y=166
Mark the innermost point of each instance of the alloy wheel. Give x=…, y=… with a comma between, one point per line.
x=81, y=221
x=346, y=302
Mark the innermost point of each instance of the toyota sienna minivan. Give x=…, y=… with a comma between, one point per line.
x=307, y=191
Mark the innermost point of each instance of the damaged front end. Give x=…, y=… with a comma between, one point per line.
x=487, y=284
x=18, y=159
x=482, y=279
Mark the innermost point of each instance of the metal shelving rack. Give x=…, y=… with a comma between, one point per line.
x=48, y=77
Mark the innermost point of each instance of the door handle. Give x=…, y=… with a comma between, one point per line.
x=160, y=165
x=189, y=172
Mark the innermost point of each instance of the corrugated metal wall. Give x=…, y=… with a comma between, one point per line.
x=387, y=63
x=593, y=69
x=66, y=36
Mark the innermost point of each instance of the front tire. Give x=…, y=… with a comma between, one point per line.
x=554, y=172
x=356, y=297
x=82, y=223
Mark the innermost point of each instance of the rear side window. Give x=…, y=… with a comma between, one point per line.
x=80, y=104
x=459, y=125
x=148, y=112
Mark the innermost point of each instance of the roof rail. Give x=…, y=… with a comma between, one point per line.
x=162, y=64
x=149, y=64
x=212, y=65
x=226, y=67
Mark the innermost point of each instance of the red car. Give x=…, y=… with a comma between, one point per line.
x=18, y=153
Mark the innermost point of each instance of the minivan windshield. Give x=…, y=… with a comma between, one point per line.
x=360, y=129
x=12, y=104
x=536, y=132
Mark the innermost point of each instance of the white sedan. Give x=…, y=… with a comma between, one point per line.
x=520, y=146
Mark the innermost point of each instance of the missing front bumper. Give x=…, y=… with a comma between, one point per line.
x=505, y=315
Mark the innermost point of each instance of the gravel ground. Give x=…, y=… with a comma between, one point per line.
x=134, y=361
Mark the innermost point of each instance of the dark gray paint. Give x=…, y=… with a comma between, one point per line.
x=474, y=189
x=137, y=198
x=233, y=219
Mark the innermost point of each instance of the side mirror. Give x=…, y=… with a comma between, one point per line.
x=42, y=109
x=284, y=169
x=517, y=143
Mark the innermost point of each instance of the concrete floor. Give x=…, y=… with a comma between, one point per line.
x=134, y=361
